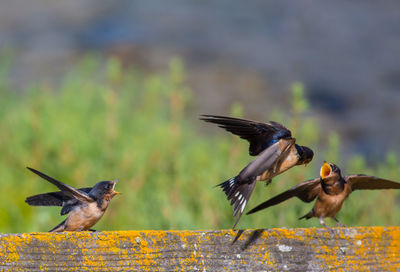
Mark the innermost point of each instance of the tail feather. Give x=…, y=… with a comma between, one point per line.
x=308, y=215
x=229, y=186
x=60, y=227
x=238, y=193
x=47, y=199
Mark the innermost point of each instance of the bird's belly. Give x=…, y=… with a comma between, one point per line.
x=290, y=161
x=328, y=205
x=83, y=218
x=264, y=176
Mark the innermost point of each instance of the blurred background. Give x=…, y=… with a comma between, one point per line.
x=94, y=90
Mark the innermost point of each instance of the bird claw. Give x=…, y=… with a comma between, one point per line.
x=338, y=224
x=330, y=230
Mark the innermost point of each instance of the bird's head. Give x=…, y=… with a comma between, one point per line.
x=305, y=154
x=330, y=171
x=104, y=189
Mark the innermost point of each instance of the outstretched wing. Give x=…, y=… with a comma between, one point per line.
x=259, y=135
x=66, y=189
x=306, y=191
x=52, y=198
x=363, y=182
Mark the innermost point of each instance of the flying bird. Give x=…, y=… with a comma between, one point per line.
x=85, y=206
x=276, y=152
x=331, y=189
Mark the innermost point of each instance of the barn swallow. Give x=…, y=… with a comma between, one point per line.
x=276, y=150
x=85, y=206
x=331, y=189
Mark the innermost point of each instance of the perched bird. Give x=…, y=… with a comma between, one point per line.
x=85, y=206
x=276, y=150
x=331, y=189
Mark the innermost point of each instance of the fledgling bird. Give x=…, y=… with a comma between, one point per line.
x=276, y=150
x=85, y=206
x=330, y=189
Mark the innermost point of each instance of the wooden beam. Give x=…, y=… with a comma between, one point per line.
x=313, y=249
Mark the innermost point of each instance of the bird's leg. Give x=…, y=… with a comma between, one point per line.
x=268, y=182
x=338, y=223
x=321, y=220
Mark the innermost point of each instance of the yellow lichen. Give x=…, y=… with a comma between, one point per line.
x=142, y=250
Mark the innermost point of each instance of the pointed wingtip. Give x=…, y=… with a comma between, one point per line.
x=255, y=209
x=31, y=169
x=211, y=117
x=249, y=212
x=206, y=117
x=34, y=171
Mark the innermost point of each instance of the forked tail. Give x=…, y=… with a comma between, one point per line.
x=238, y=193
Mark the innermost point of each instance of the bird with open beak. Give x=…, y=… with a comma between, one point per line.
x=276, y=152
x=330, y=189
x=85, y=206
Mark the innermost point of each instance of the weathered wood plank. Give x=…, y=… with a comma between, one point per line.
x=314, y=249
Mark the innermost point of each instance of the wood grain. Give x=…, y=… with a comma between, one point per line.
x=313, y=249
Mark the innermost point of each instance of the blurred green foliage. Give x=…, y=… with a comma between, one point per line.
x=102, y=122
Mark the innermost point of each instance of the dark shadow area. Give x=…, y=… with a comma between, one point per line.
x=254, y=235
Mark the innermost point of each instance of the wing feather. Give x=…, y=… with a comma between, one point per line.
x=66, y=189
x=364, y=182
x=306, y=191
x=52, y=198
x=259, y=135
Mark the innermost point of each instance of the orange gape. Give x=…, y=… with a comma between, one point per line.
x=330, y=189
x=325, y=170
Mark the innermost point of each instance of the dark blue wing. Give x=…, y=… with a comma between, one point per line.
x=52, y=198
x=259, y=135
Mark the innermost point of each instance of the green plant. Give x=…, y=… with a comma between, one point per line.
x=99, y=124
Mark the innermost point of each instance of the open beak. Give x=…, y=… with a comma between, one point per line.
x=325, y=170
x=115, y=192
